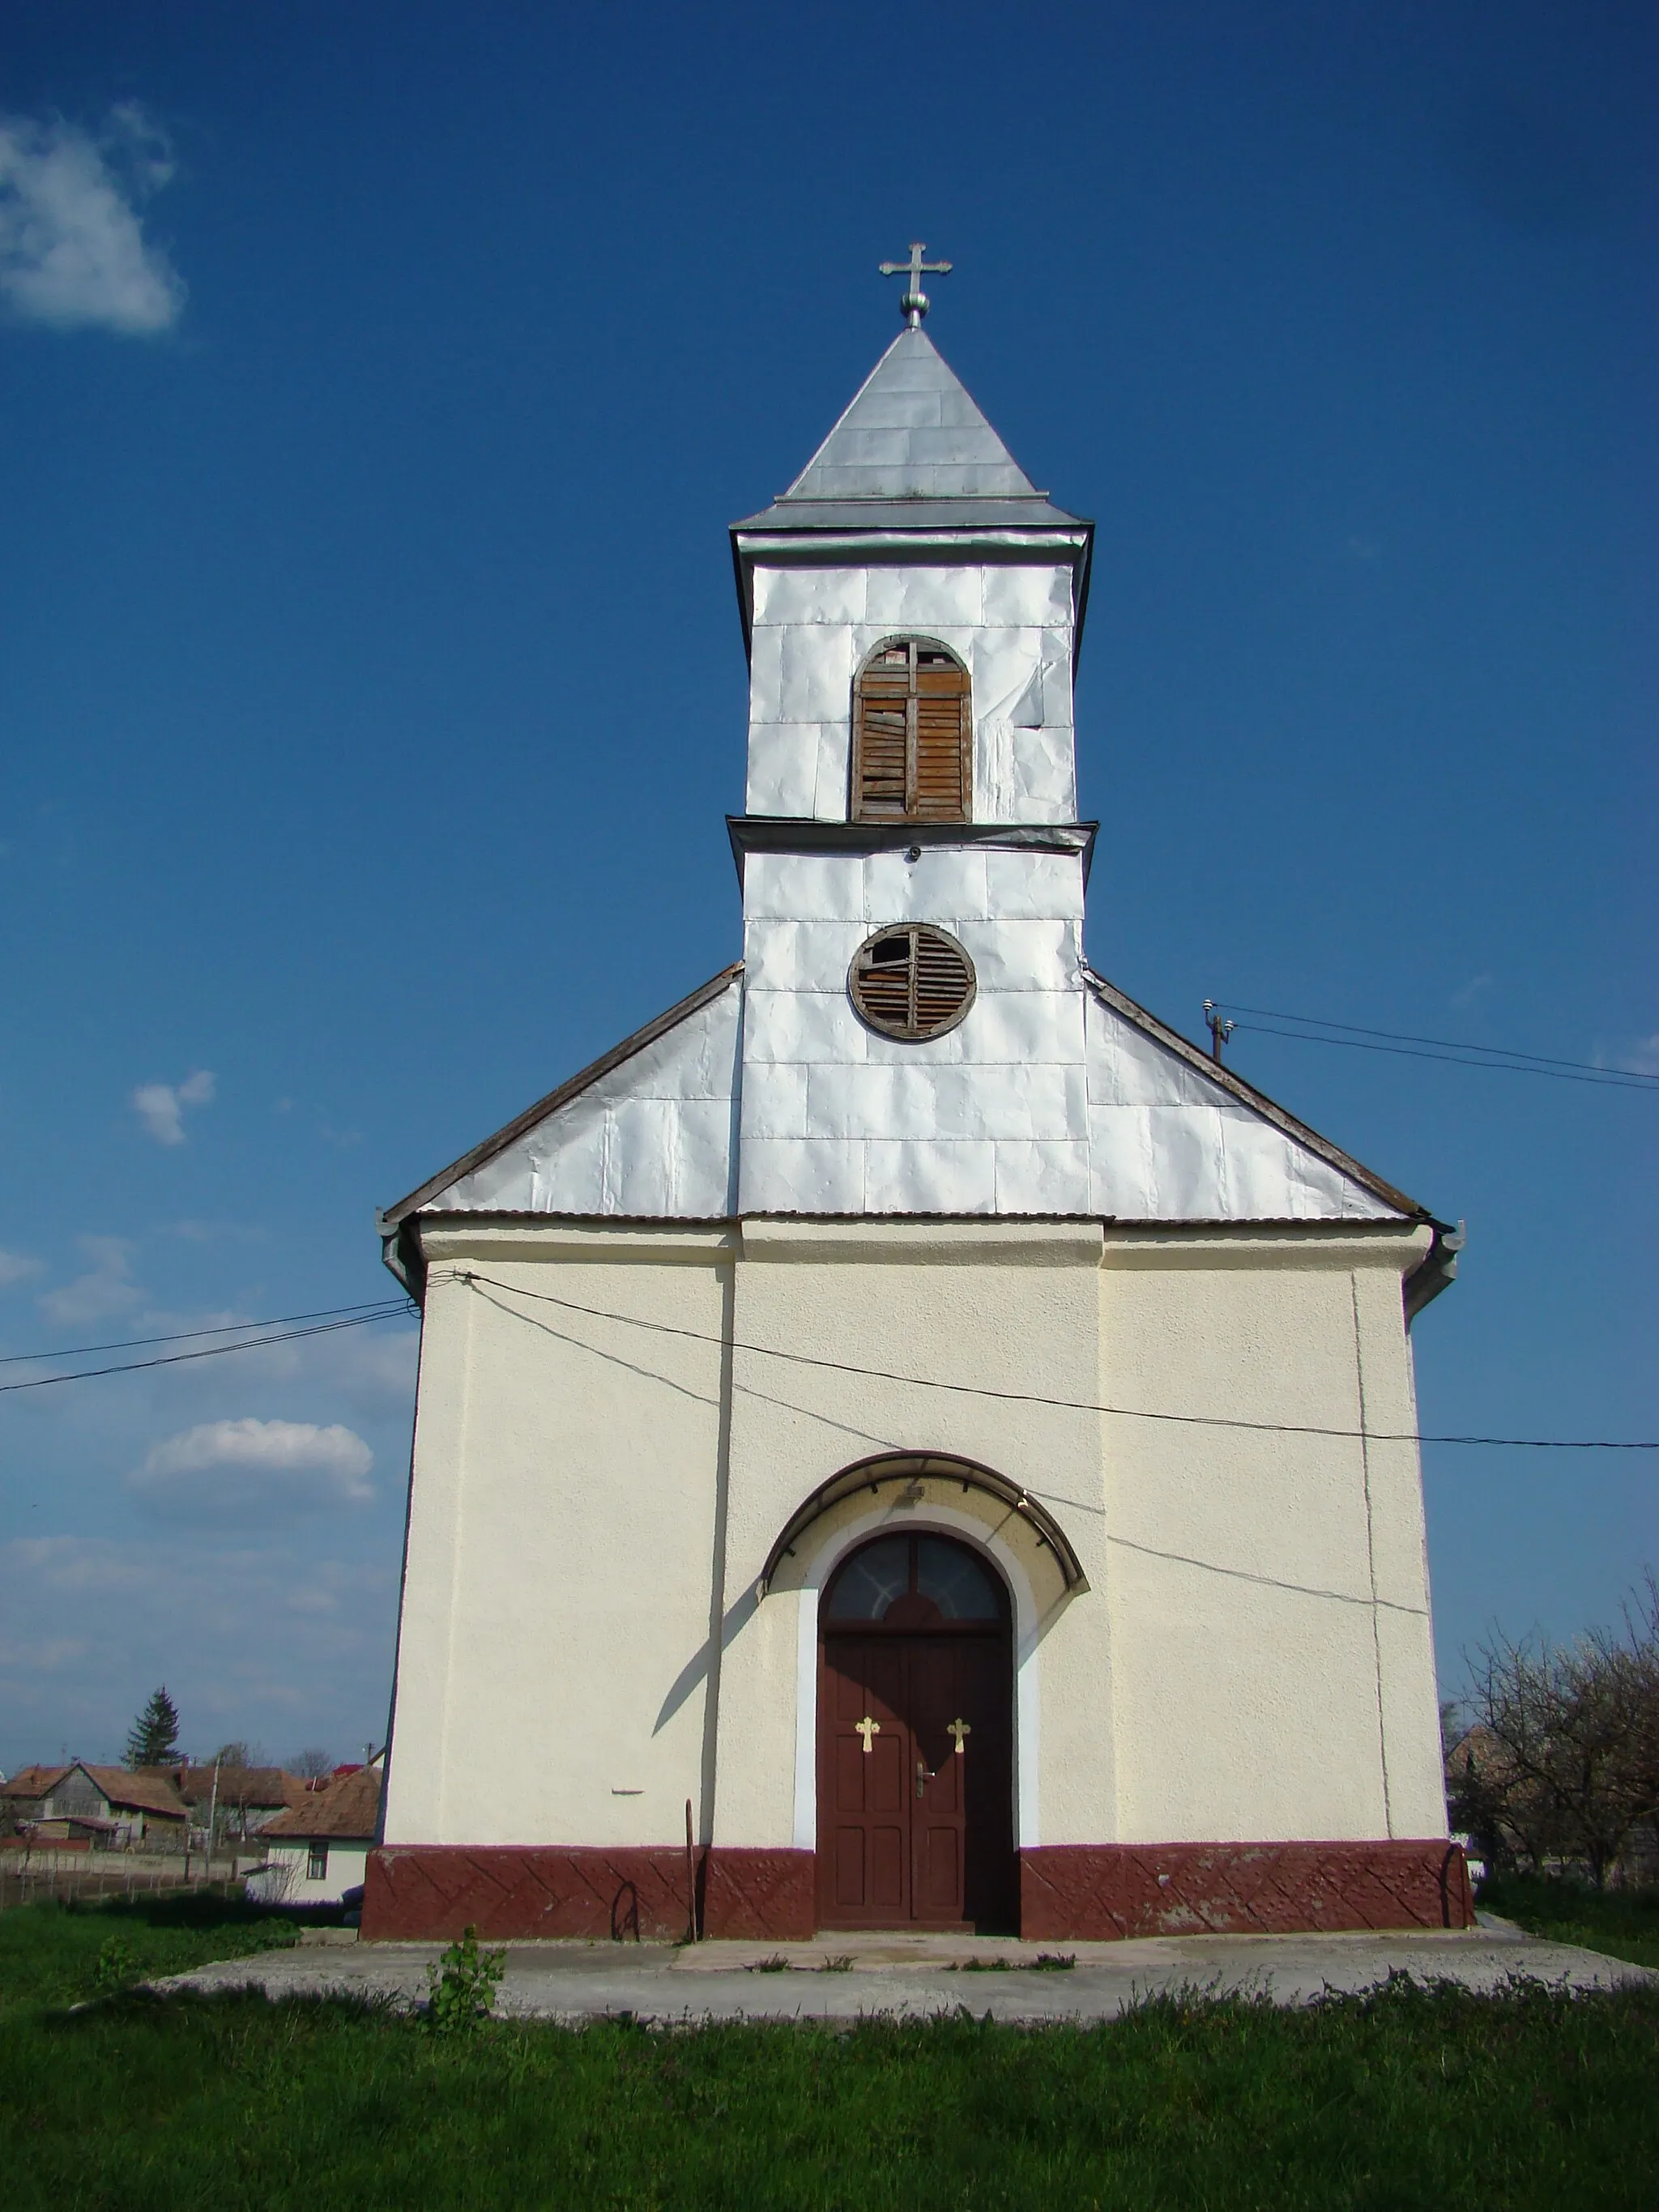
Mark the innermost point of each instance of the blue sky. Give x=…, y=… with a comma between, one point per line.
x=375, y=388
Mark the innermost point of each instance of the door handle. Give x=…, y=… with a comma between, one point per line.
x=924, y=1776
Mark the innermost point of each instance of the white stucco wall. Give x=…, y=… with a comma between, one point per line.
x=561, y=1551
x=1270, y=1596
x=1250, y=1660
x=1011, y=622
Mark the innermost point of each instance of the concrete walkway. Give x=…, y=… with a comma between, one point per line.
x=849, y=1978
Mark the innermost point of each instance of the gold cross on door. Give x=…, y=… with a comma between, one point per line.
x=867, y=1728
x=960, y=1730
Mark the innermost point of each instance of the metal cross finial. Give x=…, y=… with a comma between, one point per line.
x=962, y=1730
x=867, y=1728
x=914, y=304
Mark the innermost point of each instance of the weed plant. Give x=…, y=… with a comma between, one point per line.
x=460, y=1989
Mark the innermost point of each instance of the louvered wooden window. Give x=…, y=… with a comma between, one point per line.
x=912, y=736
x=912, y=981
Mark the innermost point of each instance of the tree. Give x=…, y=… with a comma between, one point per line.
x=1563, y=1761
x=153, y=1738
x=313, y=1763
x=234, y=1754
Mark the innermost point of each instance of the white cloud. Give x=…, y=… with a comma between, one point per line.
x=368, y=1372
x=159, y=1106
x=106, y=1289
x=1644, y=1056
x=72, y=248
x=75, y=1566
x=1471, y=990
x=250, y=1470
x=16, y=1267
x=241, y=1657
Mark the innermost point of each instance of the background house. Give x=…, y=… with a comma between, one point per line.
x=319, y=1849
x=109, y=1807
x=241, y=1801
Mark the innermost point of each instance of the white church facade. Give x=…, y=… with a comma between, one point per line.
x=906, y=1440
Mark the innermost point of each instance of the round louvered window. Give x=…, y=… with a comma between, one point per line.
x=911, y=981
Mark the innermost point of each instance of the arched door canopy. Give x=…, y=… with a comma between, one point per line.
x=897, y=1470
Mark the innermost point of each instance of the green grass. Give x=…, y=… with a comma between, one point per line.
x=1407, y=2099
x=1624, y=1924
x=60, y=1954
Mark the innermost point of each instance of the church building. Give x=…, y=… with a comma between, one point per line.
x=906, y=1440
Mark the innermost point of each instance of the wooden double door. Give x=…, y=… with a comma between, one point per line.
x=915, y=1749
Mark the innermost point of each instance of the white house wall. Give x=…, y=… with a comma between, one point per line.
x=1011, y=622
x=285, y=1878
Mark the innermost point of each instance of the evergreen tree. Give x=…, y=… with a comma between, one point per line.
x=153, y=1738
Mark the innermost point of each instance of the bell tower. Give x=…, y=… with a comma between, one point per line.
x=913, y=868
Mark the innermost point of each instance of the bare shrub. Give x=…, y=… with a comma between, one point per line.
x=1562, y=1764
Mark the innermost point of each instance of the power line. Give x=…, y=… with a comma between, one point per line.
x=369, y=1309
x=1451, y=1059
x=1034, y=1398
x=355, y=1318
x=1456, y=1044
x=1513, y=1060
x=207, y=1351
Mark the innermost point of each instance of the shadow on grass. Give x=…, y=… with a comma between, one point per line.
x=195, y=1910
x=59, y=1953
x=1620, y=1923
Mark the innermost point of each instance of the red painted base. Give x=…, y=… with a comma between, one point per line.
x=1080, y=1891
x=1095, y=1892
x=427, y=1891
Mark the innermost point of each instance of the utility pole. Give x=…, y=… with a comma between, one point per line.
x=1220, y=1030
x=213, y=1815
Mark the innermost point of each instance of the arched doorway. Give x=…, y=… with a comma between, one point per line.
x=916, y=1740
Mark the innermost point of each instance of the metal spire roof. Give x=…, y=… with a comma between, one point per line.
x=912, y=438
x=912, y=432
